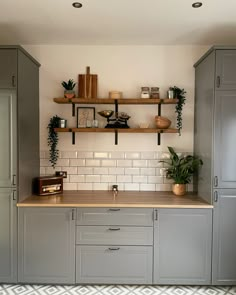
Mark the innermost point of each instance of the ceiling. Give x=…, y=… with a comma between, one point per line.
x=118, y=22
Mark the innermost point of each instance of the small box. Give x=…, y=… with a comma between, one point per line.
x=48, y=185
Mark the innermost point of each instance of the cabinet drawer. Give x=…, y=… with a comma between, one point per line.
x=114, y=216
x=114, y=264
x=110, y=235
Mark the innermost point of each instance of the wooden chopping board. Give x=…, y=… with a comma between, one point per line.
x=88, y=85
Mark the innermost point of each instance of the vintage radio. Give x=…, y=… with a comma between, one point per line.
x=48, y=185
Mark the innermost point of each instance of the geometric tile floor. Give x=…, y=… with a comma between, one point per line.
x=6, y=289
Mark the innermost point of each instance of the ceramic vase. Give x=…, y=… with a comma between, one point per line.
x=179, y=189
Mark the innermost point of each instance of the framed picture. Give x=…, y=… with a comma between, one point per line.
x=85, y=116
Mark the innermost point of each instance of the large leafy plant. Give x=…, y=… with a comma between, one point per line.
x=181, y=168
x=53, y=140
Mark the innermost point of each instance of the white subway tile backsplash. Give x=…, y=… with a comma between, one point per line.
x=124, y=163
x=132, y=155
x=42, y=170
x=70, y=186
x=148, y=155
x=147, y=187
x=124, y=178
x=77, y=162
x=92, y=163
x=85, y=186
x=131, y=187
x=155, y=179
x=77, y=178
x=85, y=155
x=121, y=186
x=132, y=171
x=92, y=178
x=70, y=170
x=51, y=170
x=154, y=163
x=162, y=171
x=42, y=154
x=139, y=179
x=100, y=186
x=165, y=156
x=68, y=155
x=100, y=170
x=108, y=163
x=116, y=171
x=116, y=155
x=147, y=171
x=140, y=163
x=63, y=162
x=163, y=187
x=85, y=170
x=108, y=178
x=44, y=163
x=100, y=155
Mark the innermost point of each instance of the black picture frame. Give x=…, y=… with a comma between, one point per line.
x=85, y=114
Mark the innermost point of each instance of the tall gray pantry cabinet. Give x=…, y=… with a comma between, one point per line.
x=19, y=146
x=215, y=142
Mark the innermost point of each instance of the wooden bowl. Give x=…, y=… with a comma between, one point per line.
x=162, y=122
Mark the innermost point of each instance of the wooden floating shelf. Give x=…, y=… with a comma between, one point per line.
x=113, y=101
x=120, y=130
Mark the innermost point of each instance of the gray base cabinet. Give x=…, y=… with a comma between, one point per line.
x=8, y=234
x=182, y=246
x=46, y=245
x=224, y=238
x=114, y=264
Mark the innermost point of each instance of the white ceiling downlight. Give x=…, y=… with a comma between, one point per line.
x=77, y=5
x=197, y=4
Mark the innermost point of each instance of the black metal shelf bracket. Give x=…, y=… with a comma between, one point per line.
x=159, y=134
x=73, y=110
x=73, y=137
x=116, y=137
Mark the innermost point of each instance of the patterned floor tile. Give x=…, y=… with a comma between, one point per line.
x=115, y=290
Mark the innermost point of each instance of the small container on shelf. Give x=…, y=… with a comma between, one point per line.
x=115, y=94
x=145, y=92
x=154, y=92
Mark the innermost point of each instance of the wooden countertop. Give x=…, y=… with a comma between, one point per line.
x=123, y=199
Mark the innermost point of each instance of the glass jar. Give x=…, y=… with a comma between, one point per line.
x=145, y=92
x=154, y=92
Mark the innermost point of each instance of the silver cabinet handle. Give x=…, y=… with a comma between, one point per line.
x=73, y=214
x=114, y=229
x=156, y=214
x=13, y=81
x=114, y=209
x=218, y=81
x=216, y=197
x=114, y=249
x=14, y=196
x=13, y=179
x=216, y=181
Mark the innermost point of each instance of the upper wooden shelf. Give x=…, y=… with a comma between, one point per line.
x=112, y=101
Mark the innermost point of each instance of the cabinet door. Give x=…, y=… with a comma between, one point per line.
x=8, y=236
x=114, y=264
x=8, y=68
x=225, y=69
x=182, y=246
x=224, y=238
x=225, y=139
x=8, y=142
x=46, y=245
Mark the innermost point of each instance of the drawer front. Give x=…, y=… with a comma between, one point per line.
x=115, y=216
x=114, y=264
x=110, y=235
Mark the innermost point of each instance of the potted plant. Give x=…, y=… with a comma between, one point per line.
x=53, y=140
x=180, y=95
x=181, y=170
x=69, y=86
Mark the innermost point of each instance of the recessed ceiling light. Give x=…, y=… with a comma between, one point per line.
x=77, y=5
x=197, y=4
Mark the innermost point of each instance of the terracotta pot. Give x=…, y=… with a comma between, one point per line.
x=179, y=189
x=162, y=122
x=69, y=94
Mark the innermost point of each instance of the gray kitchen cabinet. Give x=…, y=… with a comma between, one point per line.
x=114, y=264
x=46, y=245
x=114, y=245
x=225, y=69
x=8, y=236
x=8, y=68
x=224, y=238
x=8, y=143
x=182, y=246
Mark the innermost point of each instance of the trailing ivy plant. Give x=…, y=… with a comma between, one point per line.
x=53, y=140
x=180, y=95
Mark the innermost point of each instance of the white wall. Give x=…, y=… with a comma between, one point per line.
x=123, y=68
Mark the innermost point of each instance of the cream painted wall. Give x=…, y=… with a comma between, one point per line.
x=123, y=68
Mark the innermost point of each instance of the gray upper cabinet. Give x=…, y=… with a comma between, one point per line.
x=46, y=245
x=8, y=143
x=8, y=68
x=8, y=236
x=225, y=139
x=225, y=69
x=224, y=238
x=182, y=246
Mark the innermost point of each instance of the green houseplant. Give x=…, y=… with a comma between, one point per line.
x=69, y=88
x=181, y=170
x=53, y=140
x=180, y=95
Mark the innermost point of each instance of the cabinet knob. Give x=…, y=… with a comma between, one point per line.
x=114, y=249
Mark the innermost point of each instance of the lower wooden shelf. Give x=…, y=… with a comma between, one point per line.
x=117, y=130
